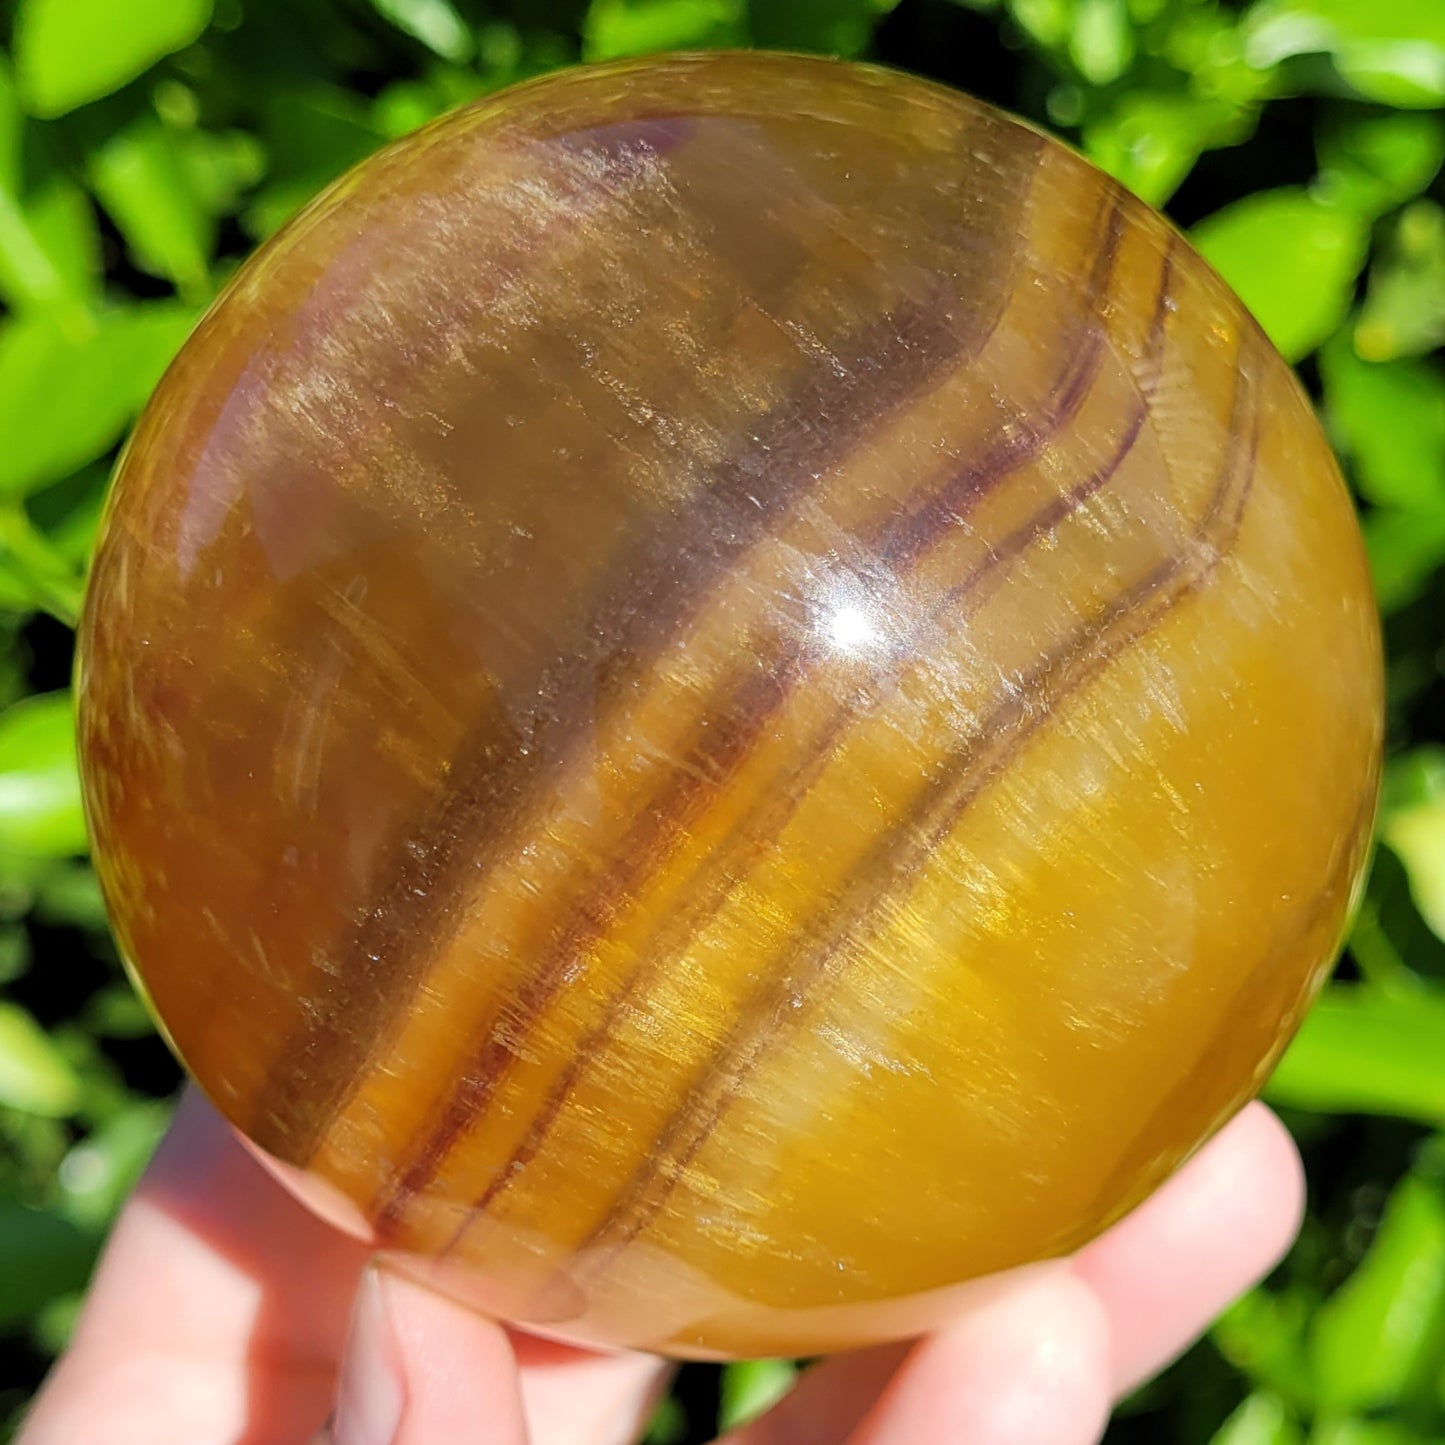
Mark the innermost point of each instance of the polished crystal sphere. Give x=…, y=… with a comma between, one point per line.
x=724, y=692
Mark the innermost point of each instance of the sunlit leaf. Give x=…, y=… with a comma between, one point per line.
x=1263, y=1334
x=68, y=895
x=1417, y=836
x=1262, y=1419
x=1102, y=44
x=1389, y=50
x=635, y=27
x=35, y=1077
x=1367, y=1051
x=70, y=51
x=1368, y=1432
x=1406, y=550
x=95, y=1176
x=141, y=179
x=1381, y=1335
x=65, y=399
x=1048, y=21
x=12, y=130
x=34, y=575
x=433, y=22
x=1293, y=260
x=40, y=812
x=1151, y=139
x=1390, y=419
x=1377, y=162
x=1404, y=309
x=751, y=1386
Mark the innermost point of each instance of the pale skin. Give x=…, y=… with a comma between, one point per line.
x=224, y=1314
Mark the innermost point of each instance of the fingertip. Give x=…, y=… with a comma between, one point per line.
x=420, y=1369
x=1030, y=1368
x=1203, y=1238
x=1266, y=1150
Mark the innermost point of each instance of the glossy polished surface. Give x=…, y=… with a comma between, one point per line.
x=722, y=693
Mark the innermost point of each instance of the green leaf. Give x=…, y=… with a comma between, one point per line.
x=97, y=1174
x=1368, y=1432
x=830, y=27
x=12, y=131
x=49, y=245
x=68, y=52
x=1404, y=309
x=41, y=1258
x=1406, y=550
x=433, y=22
x=1417, y=837
x=65, y=400
x=1381, y=1335
x=634, y=27
x=65, y=226
x=1292, y=258
x=140, y=176
x=34, y=1075
x=1367, y=1051
x=1389, y=50
x=1262, y=1419
x=117, y=1012
x=68, y=515
x=1047, y=21
x=1150, y=139
x=1102, y=43
x=1263, y=1335
x=15, y=953
x=40, y=809
x=311, y=135
x=750, y=1387
x=1390, y=420
x=668, y=1425
x=1373, y=164
x=1412, y=778
x=68, y=895
x=50, y=252
x=34, y=575
x=1389, y=941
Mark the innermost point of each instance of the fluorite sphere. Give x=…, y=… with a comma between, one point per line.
x=724, y=692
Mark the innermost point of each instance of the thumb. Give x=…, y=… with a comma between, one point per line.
x=421, y=1370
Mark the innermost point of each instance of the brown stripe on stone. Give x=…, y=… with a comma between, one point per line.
x=646, y=601
x=912, y=533
x=768, y=691
x=795, y=992
x=719, y=752
x=764, y=830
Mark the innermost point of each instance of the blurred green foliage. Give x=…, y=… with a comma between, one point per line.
x=147, y=145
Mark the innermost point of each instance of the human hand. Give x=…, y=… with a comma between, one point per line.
x=223, y=1313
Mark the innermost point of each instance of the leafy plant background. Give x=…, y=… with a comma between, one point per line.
x=147, y=145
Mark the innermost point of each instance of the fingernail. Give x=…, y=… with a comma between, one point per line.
x=369, y=1396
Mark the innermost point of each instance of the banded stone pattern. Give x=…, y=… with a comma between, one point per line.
x=725, y=692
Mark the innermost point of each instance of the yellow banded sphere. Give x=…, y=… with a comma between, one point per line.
x=724, y=692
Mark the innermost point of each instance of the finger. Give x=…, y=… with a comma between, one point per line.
x=1027, y=1364
x=1160, y=1276
x=1209, y=1233
x=579, y=1397
x=421, y=1370
x=1030, y=1368
x=194, y=1330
